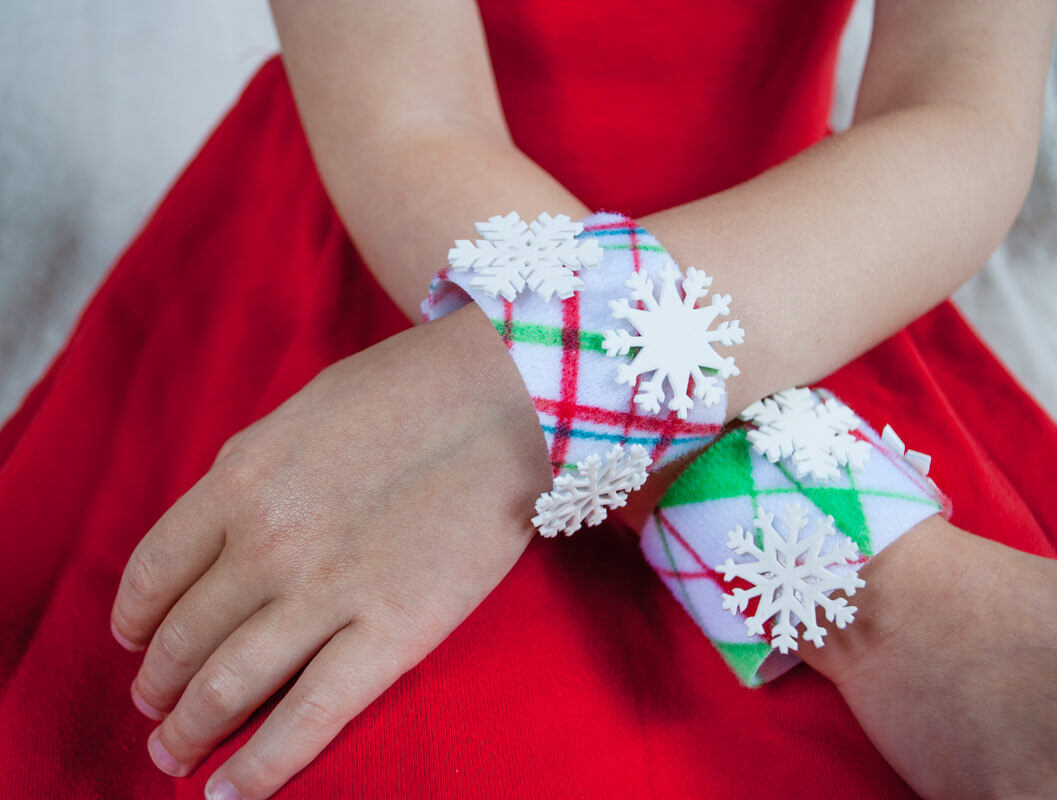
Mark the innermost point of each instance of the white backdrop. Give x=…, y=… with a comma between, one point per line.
x=102, y=103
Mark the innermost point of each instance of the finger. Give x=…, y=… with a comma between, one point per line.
x=348, y=673
x=173, y=555
x=247, y=669
x=215, y=606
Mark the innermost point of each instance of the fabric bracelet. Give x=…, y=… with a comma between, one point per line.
x=733, y=495
x=559, y=346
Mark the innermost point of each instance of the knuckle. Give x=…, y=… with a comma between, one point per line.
x=181, y=735
x=140, y=577
x=261, y=773
x=239, y=471
x=406, y=635
x=228, y=447
x=150, y=691
x=275, y=544
x=221, y=694
x=173, y=646
x=273, y=552
x=410, y=633
x=317, y=712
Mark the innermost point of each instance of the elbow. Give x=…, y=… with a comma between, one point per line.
x=1008, y=153
x=986, y=153
x=996, y=155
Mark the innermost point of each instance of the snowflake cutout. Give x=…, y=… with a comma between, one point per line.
x=674, y=340
x=597, y=486
x=818, y=437
x=921, y=462
x=542, y=255
x=791, y=577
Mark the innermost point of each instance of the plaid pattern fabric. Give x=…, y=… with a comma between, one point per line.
x=685, y=540
x=557, y=346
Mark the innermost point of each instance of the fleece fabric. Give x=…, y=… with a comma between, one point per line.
x=557, y=346
x=685, y=539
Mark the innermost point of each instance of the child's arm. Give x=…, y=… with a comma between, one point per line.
x=399, y=106
x=840, y=246
x=950, y=664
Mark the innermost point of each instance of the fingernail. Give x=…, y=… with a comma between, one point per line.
x=145, y=708
x=121, y=640
x=222, y=790
x=163, y=758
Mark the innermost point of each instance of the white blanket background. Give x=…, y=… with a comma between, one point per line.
x=101, y=104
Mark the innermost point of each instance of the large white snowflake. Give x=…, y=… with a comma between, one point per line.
x=542, y=255
x=818, y=437
x=594, y=487
x=674, y=340
x=791, y=578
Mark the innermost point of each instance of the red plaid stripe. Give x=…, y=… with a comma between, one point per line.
x=566, y=406
x=576, y=414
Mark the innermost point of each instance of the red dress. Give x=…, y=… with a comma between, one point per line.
x=580, y=675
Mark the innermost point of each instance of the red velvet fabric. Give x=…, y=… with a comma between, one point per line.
x=580, y=675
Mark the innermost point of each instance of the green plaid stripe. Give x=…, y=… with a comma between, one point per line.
x=557, y=346
x=685, y=540
x=546, y=335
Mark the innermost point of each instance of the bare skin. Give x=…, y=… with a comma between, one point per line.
x=938, y=162
x=952, y=677
x=289, y=549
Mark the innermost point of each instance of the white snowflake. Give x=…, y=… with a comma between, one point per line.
x=588, y=493
x=921, y=462
x=674, y=340
x=542, y=255
x=818, y=437
x=791, y=578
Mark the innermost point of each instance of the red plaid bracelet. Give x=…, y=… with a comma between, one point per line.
x=618, y=361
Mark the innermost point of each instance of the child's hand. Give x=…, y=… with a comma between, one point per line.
x=352, y=528
x=951, y=666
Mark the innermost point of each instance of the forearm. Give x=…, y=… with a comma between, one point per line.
x=831, y=252
x=902, y=583
x=825, y=255
x=401, y=111
x=837, y=248
x=414, y=196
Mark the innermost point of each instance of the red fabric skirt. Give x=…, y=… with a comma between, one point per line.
x=578, y=676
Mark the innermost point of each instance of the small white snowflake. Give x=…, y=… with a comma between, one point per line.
x=791, y=578
x=818, y=437
x=674, y=340
x=542, y=255
x=921, y=462
x=591, y=490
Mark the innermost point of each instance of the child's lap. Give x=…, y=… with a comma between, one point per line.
x=579, y=675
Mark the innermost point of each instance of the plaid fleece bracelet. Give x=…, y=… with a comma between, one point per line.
x=776, y=516
x=613, y=355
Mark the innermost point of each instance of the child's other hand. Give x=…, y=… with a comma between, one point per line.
x=353, y=529
x=951, y=666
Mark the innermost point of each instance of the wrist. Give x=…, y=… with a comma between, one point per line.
x=486, y=384
x=917, y=574
x=404, y=197
x=560, y=293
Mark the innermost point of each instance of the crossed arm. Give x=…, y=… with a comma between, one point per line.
x=874, y=226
